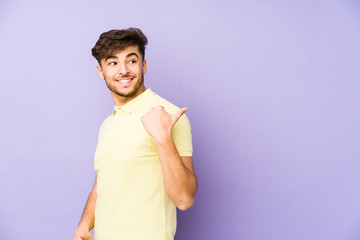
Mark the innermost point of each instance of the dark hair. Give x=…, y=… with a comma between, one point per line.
x=116, y=40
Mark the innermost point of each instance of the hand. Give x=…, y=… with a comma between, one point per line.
x=82, y=236
x=158, y=122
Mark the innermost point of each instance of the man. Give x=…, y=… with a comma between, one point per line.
x=143, y=159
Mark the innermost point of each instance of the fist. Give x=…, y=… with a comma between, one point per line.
x=82, y=236
x=158, y=122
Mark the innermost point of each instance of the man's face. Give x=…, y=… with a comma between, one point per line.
x=123, y=73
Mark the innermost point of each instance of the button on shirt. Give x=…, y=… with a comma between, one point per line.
x=132, y=203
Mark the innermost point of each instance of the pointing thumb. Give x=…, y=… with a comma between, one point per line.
x=177, y=115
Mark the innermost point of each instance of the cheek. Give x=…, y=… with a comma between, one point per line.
x=110, y=73
x=135, y=69
x=140, y=70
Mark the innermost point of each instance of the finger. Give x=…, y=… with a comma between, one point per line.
x=175, y=117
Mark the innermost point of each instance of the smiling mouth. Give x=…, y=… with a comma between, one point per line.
x=125, y=82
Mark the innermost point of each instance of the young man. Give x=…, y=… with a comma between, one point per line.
x=143, y=160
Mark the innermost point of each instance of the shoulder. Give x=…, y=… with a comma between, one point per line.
x=169, y=106
x=107, y=120
x=171, y=109
x=106, y=123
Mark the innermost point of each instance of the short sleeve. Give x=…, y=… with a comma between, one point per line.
x=181, y=133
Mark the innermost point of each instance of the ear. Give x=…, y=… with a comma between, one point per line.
x=100, y=72
x=144, y=66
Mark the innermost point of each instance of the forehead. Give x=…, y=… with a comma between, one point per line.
x=126, y=51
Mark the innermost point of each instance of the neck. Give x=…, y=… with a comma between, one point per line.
x=122, y=100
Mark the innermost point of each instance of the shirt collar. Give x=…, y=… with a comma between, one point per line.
x=130, y=107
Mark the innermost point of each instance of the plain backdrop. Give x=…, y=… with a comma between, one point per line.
x=273, y=92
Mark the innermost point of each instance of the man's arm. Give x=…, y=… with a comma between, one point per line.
x=82, y=232
x=178, y=172
x=179, y=178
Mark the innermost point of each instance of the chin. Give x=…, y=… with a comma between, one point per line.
x=129, y=93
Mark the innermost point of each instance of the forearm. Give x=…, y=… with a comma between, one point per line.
x=88, y=216
x=179, y=182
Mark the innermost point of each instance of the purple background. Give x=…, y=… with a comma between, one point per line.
x=273, y=92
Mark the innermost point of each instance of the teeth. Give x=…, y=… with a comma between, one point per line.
x=124, y=81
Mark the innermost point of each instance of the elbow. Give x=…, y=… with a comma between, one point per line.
x=185, y=200
x=185, y=204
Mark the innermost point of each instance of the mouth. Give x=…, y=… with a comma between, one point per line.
x=125, y=82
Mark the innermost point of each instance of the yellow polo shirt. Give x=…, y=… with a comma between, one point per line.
x=132, y=203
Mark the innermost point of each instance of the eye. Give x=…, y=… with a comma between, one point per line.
x=112, y=63
x=132, y=61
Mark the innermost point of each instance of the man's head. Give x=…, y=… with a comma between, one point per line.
x=122, y=64
x=116, y=40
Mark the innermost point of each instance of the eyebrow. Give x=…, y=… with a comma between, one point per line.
x=132, y=54
x=110, y=57
x=127, y=56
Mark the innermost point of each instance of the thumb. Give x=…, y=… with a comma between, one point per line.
x=175, y=117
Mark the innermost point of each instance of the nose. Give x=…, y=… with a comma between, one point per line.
x=123, y=69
